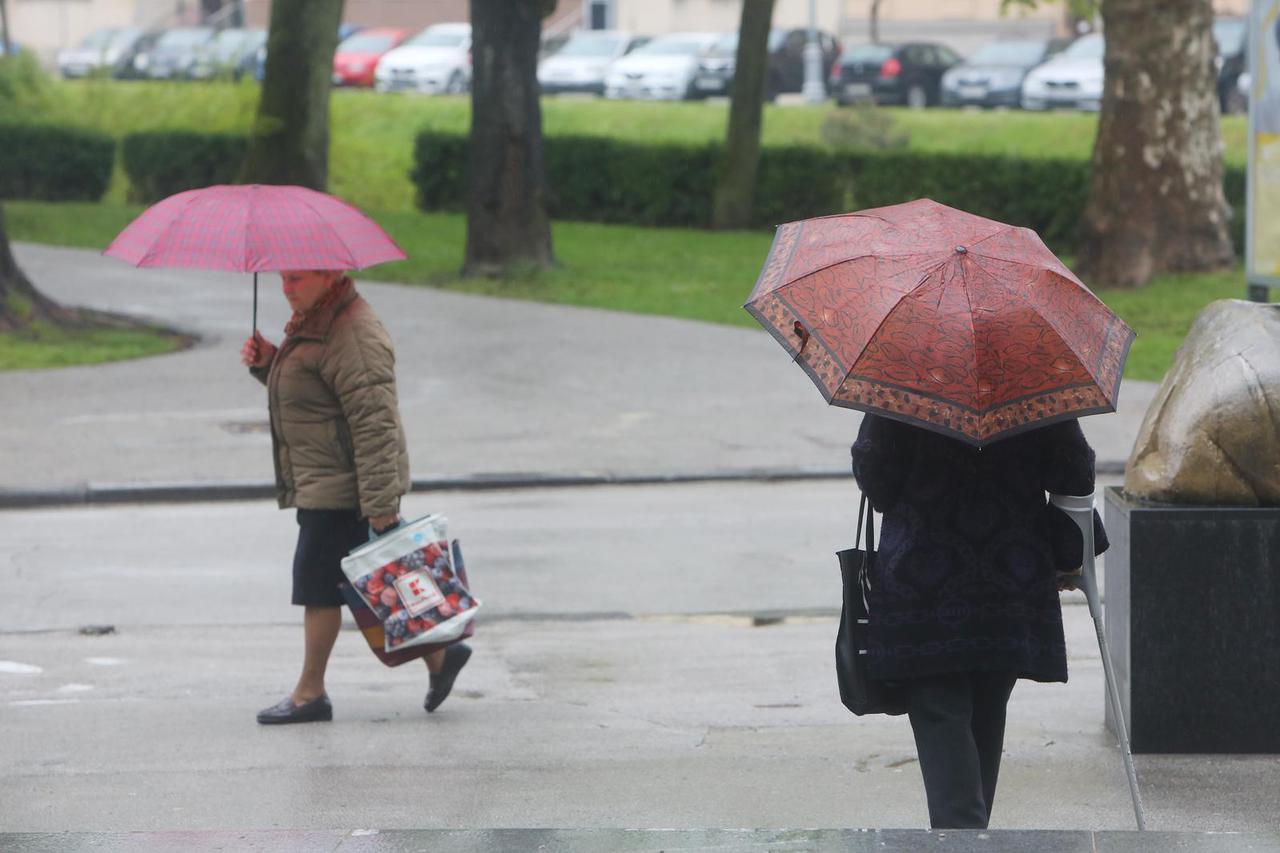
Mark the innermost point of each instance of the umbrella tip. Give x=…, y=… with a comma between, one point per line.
x=961, y=250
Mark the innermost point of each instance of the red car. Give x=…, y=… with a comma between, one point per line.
x=358, y=55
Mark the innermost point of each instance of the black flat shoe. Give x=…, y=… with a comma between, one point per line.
x=455, y=658
x=318, y=710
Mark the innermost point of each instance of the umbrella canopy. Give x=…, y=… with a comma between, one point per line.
x=254, y=228
x=946, y=320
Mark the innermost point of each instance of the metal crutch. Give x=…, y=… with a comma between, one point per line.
x=1080, y=510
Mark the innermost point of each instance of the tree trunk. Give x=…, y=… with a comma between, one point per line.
x=737, y=187
x=507, y=221
x=875, y=21
x=4, y=27
x=20, y=303
x=290, y=139
x=1155, y=197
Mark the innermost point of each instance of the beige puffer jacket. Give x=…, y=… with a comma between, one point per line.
x=335, y=421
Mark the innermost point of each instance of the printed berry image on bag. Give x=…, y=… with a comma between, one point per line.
x=407, y=578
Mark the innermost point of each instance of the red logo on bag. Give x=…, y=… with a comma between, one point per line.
x=419, y=592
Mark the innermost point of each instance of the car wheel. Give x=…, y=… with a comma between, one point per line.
x=917, y=97
x=456, y=85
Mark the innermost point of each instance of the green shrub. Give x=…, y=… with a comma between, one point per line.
x=23, y=86
x=160, y=163
x=51, y=163
x=598, y=179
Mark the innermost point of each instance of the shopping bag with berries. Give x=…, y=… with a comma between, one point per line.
x=407, y=577
x=371, y=627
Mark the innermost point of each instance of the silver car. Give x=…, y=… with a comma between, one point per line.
x=581, y=64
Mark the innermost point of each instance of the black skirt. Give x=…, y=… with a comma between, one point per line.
x=325, y=536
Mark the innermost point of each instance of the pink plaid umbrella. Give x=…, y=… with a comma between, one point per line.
x=254, y=228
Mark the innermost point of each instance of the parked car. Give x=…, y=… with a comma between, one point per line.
x=1072, y=79
x=101, y=52
x=127, y=67
x=357, y=57
x=663, y=69
x=993, y=76
x=909, y=73
x=786, y=62
x=173, y=54
x=1230, y=38
x=231, y=54
x=581, y=64
x=435, y=61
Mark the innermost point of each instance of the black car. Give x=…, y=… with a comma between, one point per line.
x=1230, y=37
x=173, y=54
x=993, y=76
x=909, y=73
x=786, y=62
x=230, y=55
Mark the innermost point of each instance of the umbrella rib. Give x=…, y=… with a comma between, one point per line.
x=834, y=264
x=151, y=250
x=885, y=319
x=351, y=256
x=973, y=329
x=1053, y=325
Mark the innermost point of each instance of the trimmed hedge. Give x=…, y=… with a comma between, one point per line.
x=597, y=179
x=606, y=180
x=160, y=163
x=51, y=163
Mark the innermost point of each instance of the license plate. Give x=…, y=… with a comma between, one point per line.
x=707, y=83
x=973, y=92
x=857, y=90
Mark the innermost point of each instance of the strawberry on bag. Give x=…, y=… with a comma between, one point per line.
x=407, y=573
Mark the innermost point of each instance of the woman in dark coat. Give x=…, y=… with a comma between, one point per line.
x=965, y=587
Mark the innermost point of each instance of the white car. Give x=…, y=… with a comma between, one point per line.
x=101, y=50
x=581, y=64
x=1072, y=79
x=663, y=69
x=435, y=61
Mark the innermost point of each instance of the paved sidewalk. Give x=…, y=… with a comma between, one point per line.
x=491, y=390
x=648, y=841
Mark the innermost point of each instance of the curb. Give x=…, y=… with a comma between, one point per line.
x=97, y=494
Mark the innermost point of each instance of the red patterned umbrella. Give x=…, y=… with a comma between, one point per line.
x=254, y=228
x=933, y=316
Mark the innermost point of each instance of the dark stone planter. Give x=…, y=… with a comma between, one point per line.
x=1193, y=624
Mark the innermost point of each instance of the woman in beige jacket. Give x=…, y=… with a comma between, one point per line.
x=340, y=459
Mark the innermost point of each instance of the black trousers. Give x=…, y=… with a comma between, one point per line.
x=958, y=722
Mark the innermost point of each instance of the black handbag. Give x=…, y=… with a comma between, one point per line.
x=859, y=693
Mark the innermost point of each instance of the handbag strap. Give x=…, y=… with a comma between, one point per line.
x=867, y=513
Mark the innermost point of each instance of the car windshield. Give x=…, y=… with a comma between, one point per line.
x=1009, y=53
x=97, y=39
x=866, y=53
x=673, y=46
x=367, y=43
x=436, y=38
x=726, y=45
x=1086, y=47
x=591, y=44
x=1228, y=33
x=123, y=38
x=229, y=43
x=183, y=38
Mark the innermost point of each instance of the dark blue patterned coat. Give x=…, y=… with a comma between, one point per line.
x=964, y=578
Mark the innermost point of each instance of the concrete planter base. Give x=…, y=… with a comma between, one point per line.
x=1193, y=623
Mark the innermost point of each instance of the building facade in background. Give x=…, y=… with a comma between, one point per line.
x=46, y=26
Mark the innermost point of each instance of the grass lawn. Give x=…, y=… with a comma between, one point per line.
x=372, y=141
x=699, y=275
x=49, y=347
